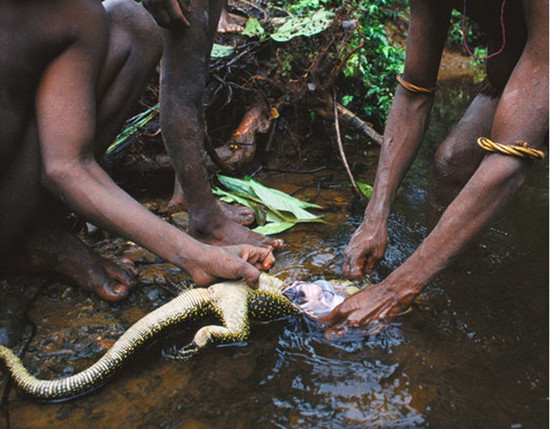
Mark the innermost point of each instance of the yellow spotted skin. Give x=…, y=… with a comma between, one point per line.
x=233, y=303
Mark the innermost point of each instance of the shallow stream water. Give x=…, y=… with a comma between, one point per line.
x=472, y=353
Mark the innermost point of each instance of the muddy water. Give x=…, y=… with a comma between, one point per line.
x=472, y=353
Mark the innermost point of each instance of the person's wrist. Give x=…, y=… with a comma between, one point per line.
x=188, y=253
x=405, y=287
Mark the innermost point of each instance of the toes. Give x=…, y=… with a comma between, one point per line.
x=112, y=292
x=274, y=243
x=123, y=272
x=128, y=264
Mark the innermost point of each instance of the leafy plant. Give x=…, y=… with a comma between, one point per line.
x=370, y=71
x=474, y=34
x=275, y=211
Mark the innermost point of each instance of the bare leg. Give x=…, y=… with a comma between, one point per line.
x=240, y=214
x=47, y=246
x=459, y=156
x=183, y=78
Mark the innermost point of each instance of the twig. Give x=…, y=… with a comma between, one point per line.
x=351, y=119
x=341, y=146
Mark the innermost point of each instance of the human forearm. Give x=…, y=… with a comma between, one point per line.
x=88, y=190
x=490, y=188
x=496, y=181
x=405, y=129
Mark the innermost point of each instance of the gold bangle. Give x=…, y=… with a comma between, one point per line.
x=519, y=149
x=411, y=87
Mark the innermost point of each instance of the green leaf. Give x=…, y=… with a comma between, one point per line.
x=273, y=228
x=221, y=51
x=365, y=188
x=281, y=201
x=276, y=193
x=228, y=197
x=253, y=28
x=275, y=211
x=303, y=26
x=237, y=185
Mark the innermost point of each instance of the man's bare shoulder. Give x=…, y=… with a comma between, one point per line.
x=53, y=17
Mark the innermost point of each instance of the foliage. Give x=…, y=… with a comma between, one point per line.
x=377, y=63
x=474, y=34
x=369, y=73
x=275, y=210
x=303, y=26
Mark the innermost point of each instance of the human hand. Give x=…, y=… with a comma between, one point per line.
x=230, y=262
x=365, y=249
x=169, y=13
x=367, y=310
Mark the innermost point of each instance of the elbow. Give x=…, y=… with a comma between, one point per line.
x=505, y=174
x=56, y=177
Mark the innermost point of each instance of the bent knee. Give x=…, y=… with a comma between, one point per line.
x=134, y=30
x=447, y=161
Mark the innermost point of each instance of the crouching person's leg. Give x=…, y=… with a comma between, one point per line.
x=459, y=155
x=134, y=47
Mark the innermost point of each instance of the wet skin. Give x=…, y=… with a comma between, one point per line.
x=188, y=32
x=464, y=174
x=69, y=78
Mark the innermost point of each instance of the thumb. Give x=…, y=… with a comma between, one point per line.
x=250, y=274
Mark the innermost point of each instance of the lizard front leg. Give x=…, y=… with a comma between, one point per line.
x=230, y=304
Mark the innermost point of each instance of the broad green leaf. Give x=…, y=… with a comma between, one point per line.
x=272, y=217
x=253, y=28
x=237, y=185
x=275, y=211
x=273, y=228
x=365, y=188
x=254, y=199
x=221, y=51
x=303, y=26
x=228, y=197
x=292, y=200
x=259, y=213
x=281, y=201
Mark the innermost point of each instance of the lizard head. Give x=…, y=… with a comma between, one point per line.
x=317, y=298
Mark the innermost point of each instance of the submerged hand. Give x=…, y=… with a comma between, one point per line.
x=374, y=303
x=365, y=249
x=231, y=262
x=169, y=13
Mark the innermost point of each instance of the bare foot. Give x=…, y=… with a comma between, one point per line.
x=227, y=23
x=218, y=229
x=236, y=212
x=61, y=252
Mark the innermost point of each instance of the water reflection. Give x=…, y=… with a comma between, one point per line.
x=323, y=394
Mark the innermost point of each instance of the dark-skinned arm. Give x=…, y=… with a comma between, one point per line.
x=66, y=107
x=407, y=122
x=522, y=114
